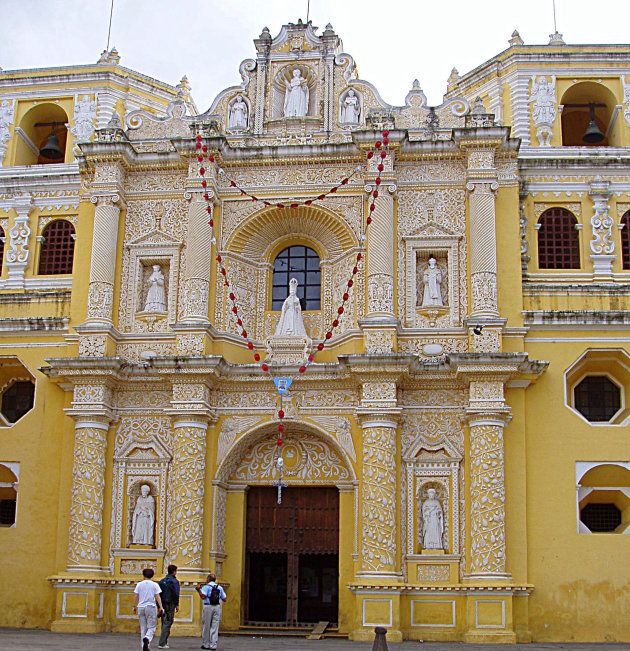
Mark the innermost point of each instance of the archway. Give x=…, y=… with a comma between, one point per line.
x=288, y=556
x=36, y=127
x=576, y=114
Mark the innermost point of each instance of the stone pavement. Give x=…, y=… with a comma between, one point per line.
x=30, y=640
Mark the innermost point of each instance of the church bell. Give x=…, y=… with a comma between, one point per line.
x=51, y=149
x=592, y=135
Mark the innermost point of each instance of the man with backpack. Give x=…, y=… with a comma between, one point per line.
x=212, y=595
x=170, y=604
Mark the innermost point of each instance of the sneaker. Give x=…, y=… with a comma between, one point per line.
x=145, y=644
x=163, y=646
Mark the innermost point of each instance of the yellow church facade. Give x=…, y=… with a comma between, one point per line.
x=455, y=456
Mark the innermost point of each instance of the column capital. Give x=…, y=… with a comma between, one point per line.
x=483, y=186
x=107, y=198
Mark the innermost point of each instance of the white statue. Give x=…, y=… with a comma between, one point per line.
x=143, y=518
x=296, y=98
x=291, y=322
x=432, y=278
x=544, y=110
x=156, y=296
x=237, y=119
x=350, y=108
x=84, y=114
x=432, y=522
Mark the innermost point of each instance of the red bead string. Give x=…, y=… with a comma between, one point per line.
x=380, y=150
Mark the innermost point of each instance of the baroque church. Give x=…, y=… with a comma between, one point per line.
x=454, y=441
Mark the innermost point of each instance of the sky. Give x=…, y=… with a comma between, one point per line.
x=393, y=42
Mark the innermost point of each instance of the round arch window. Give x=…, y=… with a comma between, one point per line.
x=301, y=263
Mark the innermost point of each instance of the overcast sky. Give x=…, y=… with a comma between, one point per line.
x=393, y=42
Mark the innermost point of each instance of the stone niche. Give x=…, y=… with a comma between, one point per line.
x=420, y=313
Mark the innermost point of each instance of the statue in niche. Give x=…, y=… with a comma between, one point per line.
x=237, y=119
x=143, y=518
x=156, y=296
x=432, y=278
x=296, y=97
x=432, y=522
x=350, y=108
x=291, y=322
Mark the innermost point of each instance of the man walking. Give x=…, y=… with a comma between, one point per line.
x=146, y=596
x=170, y=603
x=212, y=595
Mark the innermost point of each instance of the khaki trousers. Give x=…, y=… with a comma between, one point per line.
x=148, y=621
x=210, y=618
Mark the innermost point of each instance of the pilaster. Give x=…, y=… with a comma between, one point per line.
x=18, y=254
x=602, y=244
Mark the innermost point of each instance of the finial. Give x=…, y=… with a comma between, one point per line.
x=516, y=39
x=478, y=107
x=556, y=39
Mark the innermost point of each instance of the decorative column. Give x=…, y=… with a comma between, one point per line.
x=92, y=415
x=483, y=243
x=487, y=417
x=602, y=245
x=191, y=414
x=263, y=47
x=103, y=262
x=379, y=419
x=381, y=326
x=18, y=254
x=196, y=286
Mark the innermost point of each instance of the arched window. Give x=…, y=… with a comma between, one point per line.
x=42, y=136
x=625, y=240
x=57, y=250
x=558, y=240
x=2, y=236
x=588, y=116
x=8, y=495
x=301, y=263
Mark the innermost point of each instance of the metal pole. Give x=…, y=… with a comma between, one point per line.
x=109, y=31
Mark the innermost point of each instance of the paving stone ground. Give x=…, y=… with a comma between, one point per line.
x=29, y=640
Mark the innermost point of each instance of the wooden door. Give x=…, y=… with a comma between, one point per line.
x=292, y=556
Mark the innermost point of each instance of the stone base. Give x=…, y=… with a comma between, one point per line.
x=490, y=637
x=288, y=350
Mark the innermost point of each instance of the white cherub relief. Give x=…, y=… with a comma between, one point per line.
x=7, y=109
x=84, y=114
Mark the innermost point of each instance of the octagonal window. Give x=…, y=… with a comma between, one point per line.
x=17, y=400
x=600, y=518
x=597, y=398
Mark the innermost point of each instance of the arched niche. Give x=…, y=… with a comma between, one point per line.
x=9, y=477
x=279, y=88
x=605, y=485
x=576, y=114
x=35, y=128
x=252, y=244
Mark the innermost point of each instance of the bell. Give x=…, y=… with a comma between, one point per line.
x=592, y=135
x=51, y=149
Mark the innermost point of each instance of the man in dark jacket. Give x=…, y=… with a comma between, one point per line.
x=170, y=603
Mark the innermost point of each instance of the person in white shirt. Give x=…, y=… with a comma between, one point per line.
x=147, y=603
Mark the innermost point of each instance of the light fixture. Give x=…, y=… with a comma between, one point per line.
x=477, y=329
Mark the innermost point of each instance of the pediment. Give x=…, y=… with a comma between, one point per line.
x=434, y=230
x=136, y=450
x=155, y=238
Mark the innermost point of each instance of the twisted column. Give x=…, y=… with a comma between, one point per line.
x=196, y=286
x=88, y=485
x=103, y=262
x=483, y=248
x=380, y=255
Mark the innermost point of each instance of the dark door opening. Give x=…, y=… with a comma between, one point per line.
x=292, y=556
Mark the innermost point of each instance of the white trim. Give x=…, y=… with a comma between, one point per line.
x=118, y=615
x=63, y=606
x=557, y=340
x=391, y=612
x=582, y=467
x=438, y=601
x=489, y=601
x=82, y=423
x=101, y=608
x=192, y=608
